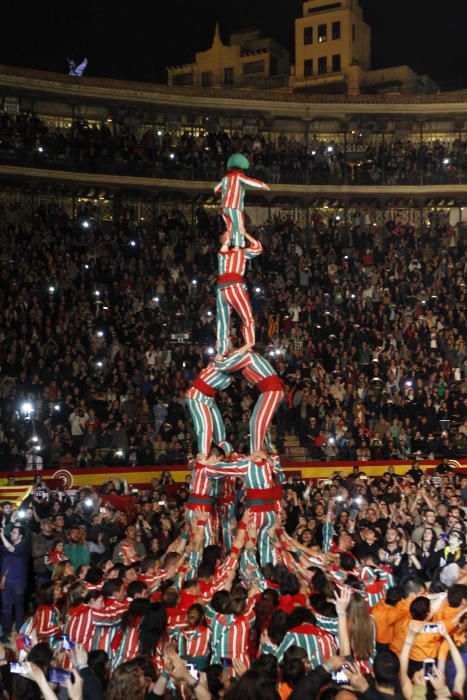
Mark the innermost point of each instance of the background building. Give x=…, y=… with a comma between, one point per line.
x=249, y=59
x=333, y=54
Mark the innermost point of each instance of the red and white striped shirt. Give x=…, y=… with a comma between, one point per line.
x=234, y=261
x=233, y=186
x=46, y=623
x=79, y=626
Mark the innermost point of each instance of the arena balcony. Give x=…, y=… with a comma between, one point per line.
x=155, y=138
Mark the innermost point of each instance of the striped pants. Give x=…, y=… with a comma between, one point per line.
x=262, y=416
x=208, y=424
x=262, y=522
x=208, y=528
x=235, y=222
x=227, y=512
x=234, y=296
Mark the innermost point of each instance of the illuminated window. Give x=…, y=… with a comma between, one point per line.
x=336, y=63
x=308, y=35
x=308, y=67
x=322, y=33
x=336, y=30
x=322, y=65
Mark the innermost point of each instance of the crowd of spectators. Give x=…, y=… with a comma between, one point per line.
x=356, y=158
x=103, y=327
x=365, y=595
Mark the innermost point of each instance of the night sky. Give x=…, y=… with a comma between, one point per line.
x=137, y=40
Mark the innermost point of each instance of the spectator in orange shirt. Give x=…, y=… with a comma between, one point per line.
x=412, y=588
x=453, y=607
x=385, y=614
x=426, y=644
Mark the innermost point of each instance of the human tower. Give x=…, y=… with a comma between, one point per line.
x=216, y=464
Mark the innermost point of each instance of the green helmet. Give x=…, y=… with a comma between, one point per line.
x=238, y=160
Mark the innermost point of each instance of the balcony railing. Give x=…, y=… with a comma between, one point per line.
x=287, y=170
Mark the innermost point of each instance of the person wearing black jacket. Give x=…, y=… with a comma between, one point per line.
x=385, y=684
x=307, y=685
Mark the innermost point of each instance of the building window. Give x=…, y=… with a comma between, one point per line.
x=336, y=63
x=322, y=65
x=322, y=33
x=183, y=79
x=308, y=68
x=206, y=78
x=308, y=35
x=353, y=32
x=253, y=67
x=228, y=76
x=336, y=30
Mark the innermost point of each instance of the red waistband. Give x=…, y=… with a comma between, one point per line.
x=266, y=508
x=206, y=498
x=262, y=494
x=204, y=388
x=272, y=383
x=231, y=277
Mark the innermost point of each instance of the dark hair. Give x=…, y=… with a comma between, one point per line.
x=456, y=594
x=111, y=586
x=170, y=597
x=41, y=655
x=289, y=584
x=419, y=608
x=268, y=572
x=45, y=594
x=25, y=689
x=20, y=529
x=214, y=674
x=136, y=609
x=147, y=563
x=237, y=602
x=268, y=664
x=220, y=601
x=210, y=556
x=386, y=669
x=252, y=685
x=294, y=665
x=135, y=587
x=278, y=626
x=347, y=562
x=413, y=585
x=205, y=570
x=299, y=616
x=199, y=610
x=93, y=595
x=98, y=662
x=94, y=575
x=152, y=629
x=394, y=595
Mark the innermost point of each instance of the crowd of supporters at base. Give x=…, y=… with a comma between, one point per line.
x=103, y=327
x=355, y=157
x=365, y=596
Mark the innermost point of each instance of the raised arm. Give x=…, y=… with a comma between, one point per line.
x=342, y=602
x=233, y=362
x=255, y=248
x=251, y=182
x=406, y=683
x=457, y=660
